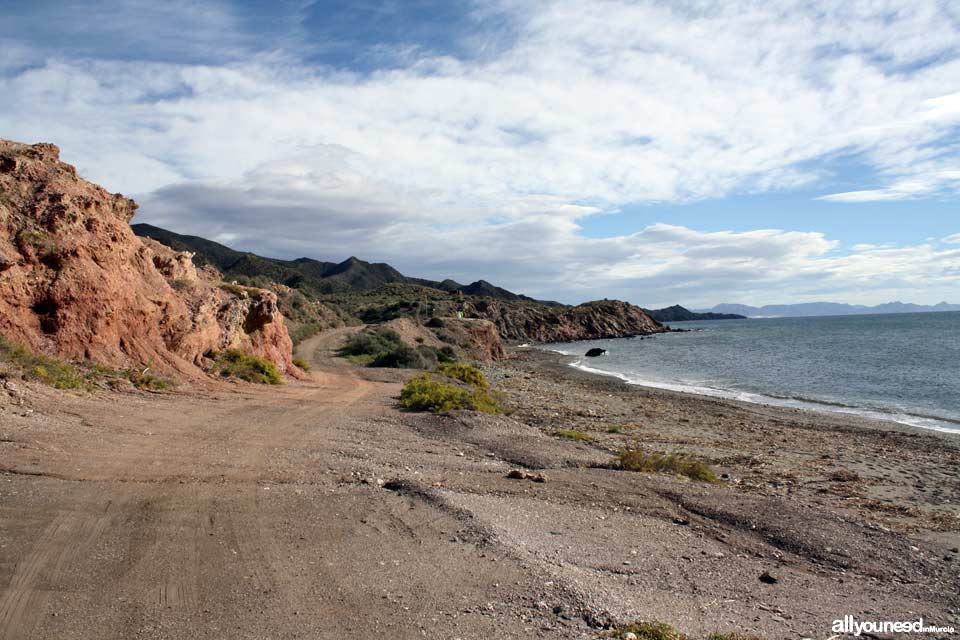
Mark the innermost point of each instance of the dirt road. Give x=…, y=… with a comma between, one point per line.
x=253, y=513
x=318, y=510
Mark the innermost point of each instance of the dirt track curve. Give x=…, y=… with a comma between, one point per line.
x=226, y=514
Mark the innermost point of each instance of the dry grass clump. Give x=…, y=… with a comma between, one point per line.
x=647, y=631
x=636, y=460
x=663, y=631
x=573, y=434
x=844, y=475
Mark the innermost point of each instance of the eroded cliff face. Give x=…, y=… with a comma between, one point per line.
x=77, y=283
x=589, y=321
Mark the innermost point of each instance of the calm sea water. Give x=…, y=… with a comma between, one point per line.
x=901, y=367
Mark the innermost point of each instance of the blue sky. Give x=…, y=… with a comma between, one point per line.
x=681, y=152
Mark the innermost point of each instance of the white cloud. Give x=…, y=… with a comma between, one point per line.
x=954, y=239
x=482, y=167
x=922, y=184
x=543, y=254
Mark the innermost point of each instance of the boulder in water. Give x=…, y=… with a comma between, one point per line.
x=596, y=351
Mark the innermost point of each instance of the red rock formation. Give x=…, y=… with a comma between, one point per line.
x=77, y=283
x=483, y=339
x=588, y=321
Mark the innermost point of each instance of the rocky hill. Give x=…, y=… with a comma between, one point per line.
x=75, y=282
x=676, y=313
x=589, y=321
x=376, y=292
x=314, y=277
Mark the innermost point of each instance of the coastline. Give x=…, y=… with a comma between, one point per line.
x=908, y=476
x=914, y=421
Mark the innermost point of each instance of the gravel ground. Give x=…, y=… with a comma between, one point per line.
x=320, y=510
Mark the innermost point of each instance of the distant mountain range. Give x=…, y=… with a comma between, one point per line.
x=314, y=276
x=828, y=309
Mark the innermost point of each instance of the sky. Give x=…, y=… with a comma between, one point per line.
x=689, y=152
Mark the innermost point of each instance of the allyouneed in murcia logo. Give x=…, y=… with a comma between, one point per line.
x=850, y=626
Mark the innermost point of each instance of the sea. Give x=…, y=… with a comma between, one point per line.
x=899, y=367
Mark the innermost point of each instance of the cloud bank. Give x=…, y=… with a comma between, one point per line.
x=483, y=165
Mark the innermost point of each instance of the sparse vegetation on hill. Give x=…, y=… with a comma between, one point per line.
x=65, y=375
x=383, y=347
x=44, y=369
x=314, y=295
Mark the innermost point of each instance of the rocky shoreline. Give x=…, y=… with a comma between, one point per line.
x=832, y=496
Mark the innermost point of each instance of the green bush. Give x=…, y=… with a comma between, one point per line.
x=303, y=364
x=234, y=363
x=407, y=357
x=426, y=393
x=635, y=460
x=464, y=373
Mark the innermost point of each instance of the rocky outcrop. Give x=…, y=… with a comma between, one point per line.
x=481, y=338
x=676, y=313
x=75, y=281
x=588, y=321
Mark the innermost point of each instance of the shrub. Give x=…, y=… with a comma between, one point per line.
x=407, y=357
x=573, y=434
x=615, y=428
x=383, y=347
x=148, y=382
x=303, y=364
x=237, y=364
x=435, y=323
x=42, y=368
x=182, y=284
x=635, y=460
x=464, y=373
x=304, y=331
x=426, y=393
x=371, y=343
